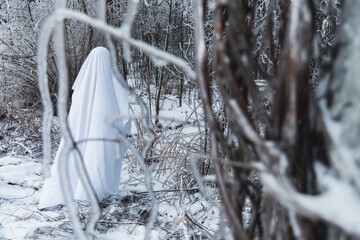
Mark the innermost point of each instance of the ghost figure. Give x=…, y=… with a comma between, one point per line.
x=98, y=95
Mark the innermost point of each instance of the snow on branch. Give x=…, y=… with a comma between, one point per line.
x=69, y=144
x=121, y=34
x=44, y=91
x=127, y=27
x=337, y=204
x=335, y=190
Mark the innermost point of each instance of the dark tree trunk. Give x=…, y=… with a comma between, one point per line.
x=161, y=79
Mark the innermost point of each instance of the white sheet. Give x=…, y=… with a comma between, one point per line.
x=97, y=96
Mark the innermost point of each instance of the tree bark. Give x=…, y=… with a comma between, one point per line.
x=158, y=95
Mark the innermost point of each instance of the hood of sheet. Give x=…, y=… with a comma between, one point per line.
x=99, y=94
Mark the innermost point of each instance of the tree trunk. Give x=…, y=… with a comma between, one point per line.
x=181, y=75
x=158, y=95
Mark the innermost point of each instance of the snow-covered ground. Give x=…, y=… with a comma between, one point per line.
x=123, y=215
x=183, y=213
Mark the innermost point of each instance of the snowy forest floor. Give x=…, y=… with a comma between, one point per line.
x=125, y=215
x=183, y=212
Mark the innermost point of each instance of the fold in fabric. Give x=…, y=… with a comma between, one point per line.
x=97, y=96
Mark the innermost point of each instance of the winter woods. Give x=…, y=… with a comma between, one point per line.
x=272, y=87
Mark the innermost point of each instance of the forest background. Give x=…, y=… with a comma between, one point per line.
x=272, y=84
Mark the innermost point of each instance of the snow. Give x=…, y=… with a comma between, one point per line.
x=327, y=205
x=20, y=218
x=341, y=155
x=14, y=170
x=182, y=209
x=19, y=183
x=14, y=192
x=133, y=235
x=337, y=204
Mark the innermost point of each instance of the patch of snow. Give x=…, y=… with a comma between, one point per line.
x=21, y=179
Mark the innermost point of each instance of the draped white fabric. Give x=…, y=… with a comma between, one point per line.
x=97, y=96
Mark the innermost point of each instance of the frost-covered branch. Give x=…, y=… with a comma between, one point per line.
x=203, y=79
x=62, y=111
x=120, y=33
x=44, y=91
x=127, y=25
x=336, y=204
x=112, y=121
x=140, y=157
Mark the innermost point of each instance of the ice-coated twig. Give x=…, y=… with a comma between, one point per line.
x=199, y=179
x=144, y=110
x=243, y=122
x=266, y=150
x=62, y=111
x=147, y=174
x=202, y=77
x=68, y=141
x=295, y=226
x=44, y=40
x=101, y=13
x=21, y=145
x=130, y=15
x=324, y=206
x=229, y=208
x=339, y=159
x=95, y=208
x=121, y=35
